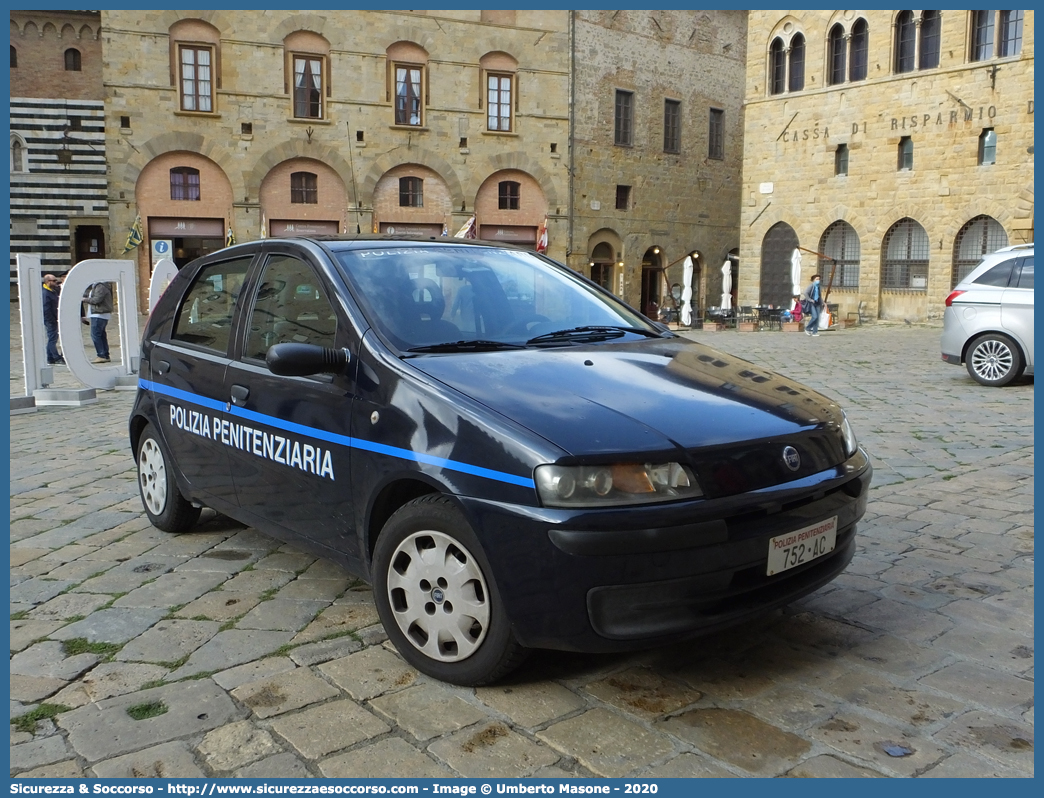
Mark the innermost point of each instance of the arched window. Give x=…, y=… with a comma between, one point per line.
x=904, y=257
x=508, y=194
x=411, y=192
x=797, y=63
x=304, y=188
x=408, y=77
x=777, y=68
x=14, y=57
x=905, y=42
x=931, y=28
x=195, y=64
x=981, y=235
x=72, y=60
x=860, y=50
x=841, y=244
x=837, y=54
x=184, y=183
x=18, y=155
x=500, y=71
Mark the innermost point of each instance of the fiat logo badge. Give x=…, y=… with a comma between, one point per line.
x=791, y=458
x=438, y=595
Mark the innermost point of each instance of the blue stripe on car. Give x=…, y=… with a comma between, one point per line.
x=342, y=440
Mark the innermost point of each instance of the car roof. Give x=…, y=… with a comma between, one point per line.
x=362, y=241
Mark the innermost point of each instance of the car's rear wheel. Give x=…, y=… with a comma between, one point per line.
x=994, y=360
x=166, y=507
x=437, y=598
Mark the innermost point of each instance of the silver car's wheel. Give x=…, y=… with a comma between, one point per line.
x=439, y=596
x=993, y=360
x=152, y=476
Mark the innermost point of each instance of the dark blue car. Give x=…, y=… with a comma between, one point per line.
x=511, y=456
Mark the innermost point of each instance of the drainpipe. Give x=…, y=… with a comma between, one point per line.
x=572, y=126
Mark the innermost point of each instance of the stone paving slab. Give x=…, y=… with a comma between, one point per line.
x=917, y=661
x=105, y=729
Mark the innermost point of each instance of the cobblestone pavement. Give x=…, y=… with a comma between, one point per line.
x=222, y=652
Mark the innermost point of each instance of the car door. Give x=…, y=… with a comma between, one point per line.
x=188, y=376
x=288, y=437
x=1017, y=305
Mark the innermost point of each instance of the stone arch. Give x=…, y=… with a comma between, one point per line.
x=983, y=206
x=49, y=29
x=87, y=32
x=30, y=29
x=298, y=148
x=126, y=176
x=786, y=29
x=415, y=35
x=418, y=155
x=777, y=247
x=606, y=235
x=523, y=162
x=499, y=60
x=68, y=31
x=316, y=23
x=222, y=20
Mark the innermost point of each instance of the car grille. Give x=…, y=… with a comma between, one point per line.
x=729, y=470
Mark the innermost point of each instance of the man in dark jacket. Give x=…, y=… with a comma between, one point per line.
x=99, y=311
x=51, y=290
x=814, y=295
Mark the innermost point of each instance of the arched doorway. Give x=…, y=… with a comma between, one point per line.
x=652, y=277
x=777, y=248
x=602, y=260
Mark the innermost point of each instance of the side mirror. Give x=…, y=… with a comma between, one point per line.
x=303, y=360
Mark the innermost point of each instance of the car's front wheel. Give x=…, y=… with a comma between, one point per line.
x=437, y=598
x=993, y=360
x=166, y=507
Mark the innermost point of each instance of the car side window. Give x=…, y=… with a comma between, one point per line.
x=204, y=317
x=998, y=275
x=289, y=307
x=1026, y=276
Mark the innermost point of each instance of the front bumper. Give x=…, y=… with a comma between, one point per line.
x=633, y=577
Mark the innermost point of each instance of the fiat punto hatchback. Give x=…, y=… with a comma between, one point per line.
x=511, y=456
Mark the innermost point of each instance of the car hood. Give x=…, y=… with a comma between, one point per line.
x=643, y=397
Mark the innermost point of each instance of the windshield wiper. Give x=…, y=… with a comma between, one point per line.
x=471, y=345
x=591, y=332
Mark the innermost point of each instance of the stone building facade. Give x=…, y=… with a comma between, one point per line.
x=897, y=143
x=57, y=141
x=335, y=122
x=657, y=148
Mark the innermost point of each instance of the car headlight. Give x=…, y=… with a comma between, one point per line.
x=610, y=485
x=851, y=444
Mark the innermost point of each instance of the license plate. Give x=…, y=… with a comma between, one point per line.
x=802, y=545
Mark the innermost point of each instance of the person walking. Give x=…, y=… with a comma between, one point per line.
x=51, y=291
x=814, y=295
x=99, y=311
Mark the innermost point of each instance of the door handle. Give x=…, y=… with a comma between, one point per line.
x=162, y=367
x=240, y=394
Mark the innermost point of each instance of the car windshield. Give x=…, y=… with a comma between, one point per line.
x=441, y=298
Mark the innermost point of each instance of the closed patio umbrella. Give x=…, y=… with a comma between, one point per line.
x=795, y=273
x=726, y=285
x=686, y=297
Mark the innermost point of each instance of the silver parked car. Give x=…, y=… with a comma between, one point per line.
x=988, y=322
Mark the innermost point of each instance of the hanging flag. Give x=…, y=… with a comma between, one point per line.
x=376, y=226
x=445, y=231
x=468, y=230
x=230, y=237
x=541, y=245
x=264, y=230
x=135, y=236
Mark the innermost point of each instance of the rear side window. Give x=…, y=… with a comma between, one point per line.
x=1026, y=276
x=998, y=275
x=204, y=317
x=289, y=308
